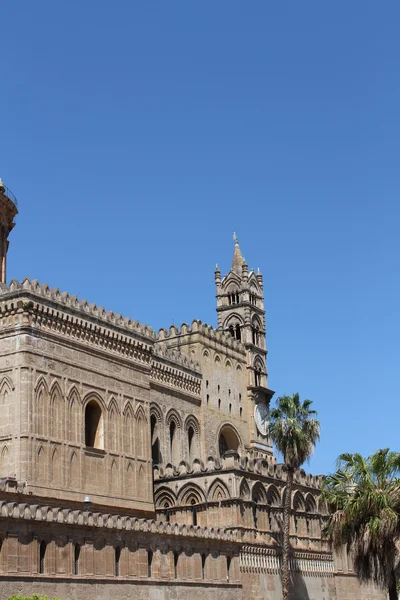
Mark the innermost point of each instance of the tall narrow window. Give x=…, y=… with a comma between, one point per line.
x=255, y=514
x=176, y=558
x=93, y=425
x=190, y=442
x=77, y=552
x=172, y=440
x=155, y=442
x=117, y=557
x=228, y=567
x=203, y=565
x=219, y=402
x=230, y=408
x=238, y=332
x=194, y=515
x=149, y=562
x=42, y=557
x=231, y=331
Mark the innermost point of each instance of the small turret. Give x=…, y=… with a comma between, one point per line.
x=8, y=211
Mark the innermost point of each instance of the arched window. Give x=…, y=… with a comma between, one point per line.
x=155, y=442
x=94, y=433
x=149, y=562
x=77, y=552
x=190, y=442
x=228, y=440
x=42, y=557
x=117, y=557
x=238, y=334
x=172, y=439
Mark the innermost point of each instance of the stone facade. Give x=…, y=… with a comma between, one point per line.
x=137, y=465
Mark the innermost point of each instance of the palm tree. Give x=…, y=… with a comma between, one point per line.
x=294, y=431
x=363, y=499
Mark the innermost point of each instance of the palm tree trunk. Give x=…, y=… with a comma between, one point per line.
x=393, y=588
x=286, y=535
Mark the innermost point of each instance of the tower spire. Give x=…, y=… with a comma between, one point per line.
x=237, y=260
x=8, y=210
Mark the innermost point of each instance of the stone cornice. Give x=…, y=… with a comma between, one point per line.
x=172, y=376
x=205, y=333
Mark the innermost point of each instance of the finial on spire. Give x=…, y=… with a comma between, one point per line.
x=237, y=256
x=235, y=237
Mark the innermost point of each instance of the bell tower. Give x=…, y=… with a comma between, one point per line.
x=8, y=211
x=241, y=313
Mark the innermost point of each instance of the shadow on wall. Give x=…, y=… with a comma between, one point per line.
x=298, y=588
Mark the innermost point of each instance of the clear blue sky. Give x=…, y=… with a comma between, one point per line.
x=138, y=136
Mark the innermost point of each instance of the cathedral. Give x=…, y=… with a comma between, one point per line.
x=137, y=465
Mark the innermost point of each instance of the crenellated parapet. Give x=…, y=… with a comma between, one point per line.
x=233, y=461
x=176, y=372
x=37, y=307
x=201, y=332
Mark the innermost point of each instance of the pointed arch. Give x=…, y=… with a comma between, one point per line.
x=258, y=493
x=94, y=421
x=113, y=429
x=56, y=411
x=42, y=406
x=164, y=498
x=129, y=429
x=156, y=433
x=5, y=466
x=130, y=480
x=42, y=468
x=114, y=477
x=6, y=406
x=192, y=434
x=273, y=496
x=141, y=481
x=244, y=490
x=174, y=424
x=74, y=471
x=218, y=491
x=228, y=439
x=191, y=494
x=298, y=503
x=74, y=415
x=141, y=428
x=56, y=467
x=310, y=504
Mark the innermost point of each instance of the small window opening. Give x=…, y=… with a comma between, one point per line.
x=231, y=331
x=172, y=429
x=219, y=403
x=230, y=408
x=167, y=516
x=176, y=558
x=240, y=397
x=117, y=557
x=203, y=565
x=208, y=398
x=238, y=334
x=77, y=552
x=194, y=515
x=228, y=567
x=42, y=557
x=207, y=383
x=149, y=562
x=190, y=441
x=240, y=411
x=93, y=425
x=219, y=388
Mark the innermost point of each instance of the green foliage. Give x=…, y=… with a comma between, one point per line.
x=363, y=498
x=294, y=430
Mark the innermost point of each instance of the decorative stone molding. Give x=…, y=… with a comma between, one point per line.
x=256, y=559
x=205, y=331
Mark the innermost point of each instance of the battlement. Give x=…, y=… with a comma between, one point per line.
x=233, y=461
x=81, y=307
x=204, y=330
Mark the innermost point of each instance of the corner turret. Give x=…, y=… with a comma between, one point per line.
x=8, y=211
